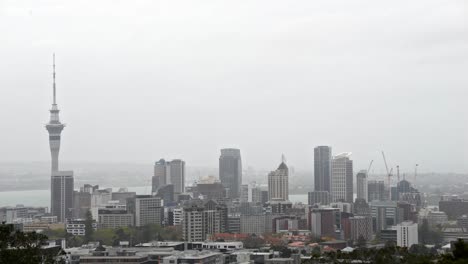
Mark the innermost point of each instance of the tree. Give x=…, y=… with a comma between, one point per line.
x=19, y=247
x=361, y=242
x=89, y=229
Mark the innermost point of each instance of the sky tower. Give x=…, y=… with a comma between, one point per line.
x=61, y=184
x=54, y=127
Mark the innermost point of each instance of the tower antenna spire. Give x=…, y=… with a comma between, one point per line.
x=53, y=74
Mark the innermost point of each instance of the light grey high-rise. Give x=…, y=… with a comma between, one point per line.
x=361, y=185
x=230, y=171
x=342, y=178
x=322, y=168
x=61, y=187
x=278, y=183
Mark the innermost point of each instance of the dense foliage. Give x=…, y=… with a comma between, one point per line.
x=19, y=247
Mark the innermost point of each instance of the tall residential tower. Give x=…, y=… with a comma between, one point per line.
x=61, y=187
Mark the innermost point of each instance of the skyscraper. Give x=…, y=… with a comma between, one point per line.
x=230, y=171
x=322, y=168
x=361, y=185
x=278, y=183
x=61, y=187
x=342, y=178
x=169, y=172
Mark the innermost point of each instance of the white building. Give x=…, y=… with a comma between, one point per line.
x=178, y=214
x=407, y=234
x=342, y=178
x=278, y=183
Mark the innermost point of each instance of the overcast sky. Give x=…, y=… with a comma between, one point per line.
x=141, y=80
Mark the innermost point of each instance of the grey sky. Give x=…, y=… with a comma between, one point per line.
x=140, y=80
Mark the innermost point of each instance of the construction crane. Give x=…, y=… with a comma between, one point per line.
x=389, y=175
x=398, y=172
x=368, y=169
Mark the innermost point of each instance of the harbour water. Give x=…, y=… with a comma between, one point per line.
x=42, y=197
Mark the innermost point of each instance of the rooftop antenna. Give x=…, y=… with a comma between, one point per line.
x=53, y=75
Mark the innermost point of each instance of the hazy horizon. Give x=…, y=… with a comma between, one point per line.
x=143, y=80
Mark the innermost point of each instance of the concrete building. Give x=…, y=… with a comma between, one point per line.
x=376, y=191
x=454, y=207
x=342, y=178
x=193, y=223
x=146, y=209
x=169, y=172
x=319, y=197
x=361, y=185
x=200, y=222
x=323, y=222
x=77, y=227
x=385, y=214
x=230, y=171
x=234, y=224
x=322, y=168
x=361, y=226
x=253, y=224
x=407, y=234
x=114, y=218
x=278, y=183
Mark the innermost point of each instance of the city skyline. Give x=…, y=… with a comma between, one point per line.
x=336, y=90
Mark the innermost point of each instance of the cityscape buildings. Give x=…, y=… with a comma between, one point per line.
x=169, y=172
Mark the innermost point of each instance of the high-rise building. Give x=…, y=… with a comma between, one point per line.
x=230, y=171
x=177, y=175
x=61, y=188
x=375, y=191
x=361, y=185
x=278, y=183
x=201, y=222
x=146, y=209
x=322, y=168
x=169, y=172
x=342, y=178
